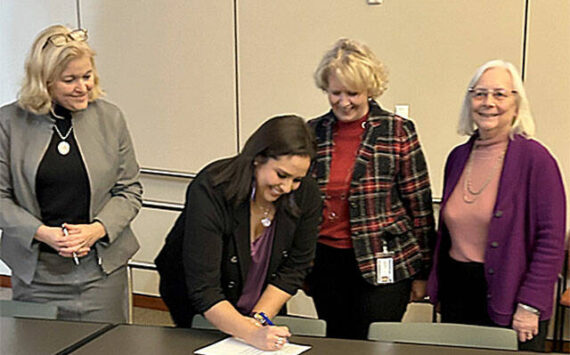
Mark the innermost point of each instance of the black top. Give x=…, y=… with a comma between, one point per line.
x=62, y=183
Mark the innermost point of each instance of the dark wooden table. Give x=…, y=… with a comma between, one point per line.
x=38, y=336
x=133, y=339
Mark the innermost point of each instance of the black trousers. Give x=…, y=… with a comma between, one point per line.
x=172, y=288
x=348, y=303
x=463, y=298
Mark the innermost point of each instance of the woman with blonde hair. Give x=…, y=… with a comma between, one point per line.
x=500, y=243
x=69, y=185
x=373, y=252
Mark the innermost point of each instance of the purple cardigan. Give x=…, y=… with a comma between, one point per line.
x=525, y=245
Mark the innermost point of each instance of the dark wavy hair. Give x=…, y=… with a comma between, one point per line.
x=276, y=137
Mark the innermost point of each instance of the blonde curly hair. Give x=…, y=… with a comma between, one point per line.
x=355, y=65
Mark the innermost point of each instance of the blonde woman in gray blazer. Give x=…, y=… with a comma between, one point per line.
x=69, y=185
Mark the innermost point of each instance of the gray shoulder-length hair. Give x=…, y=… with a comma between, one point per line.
x=523, y=123
x=44, y=65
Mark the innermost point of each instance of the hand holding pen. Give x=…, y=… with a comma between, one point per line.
x=262, y=318
x=74, y=254
x=280, y=339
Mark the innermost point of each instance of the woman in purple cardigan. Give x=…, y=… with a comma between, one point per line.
x=502, y=219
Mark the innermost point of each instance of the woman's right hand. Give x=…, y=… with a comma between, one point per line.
x=271, y=338
x=52, y=236
x=227, y=319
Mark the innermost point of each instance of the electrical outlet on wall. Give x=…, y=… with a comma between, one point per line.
x=402, y=110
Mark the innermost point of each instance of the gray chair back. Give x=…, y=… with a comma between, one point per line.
x=9, y=308
x=303, y=326
x=444, y=334
x=199, y=322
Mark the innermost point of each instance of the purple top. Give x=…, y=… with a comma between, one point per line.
x=525, y=243
x=260, y=252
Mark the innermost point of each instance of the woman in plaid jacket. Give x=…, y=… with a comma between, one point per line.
x=374, y=249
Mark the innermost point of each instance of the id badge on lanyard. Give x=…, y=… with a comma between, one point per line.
x=385, y=266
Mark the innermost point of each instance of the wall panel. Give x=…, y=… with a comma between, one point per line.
x=548, y=78
x=170, y=67
x=20, y=22
x=431, y=49
x=548, y=82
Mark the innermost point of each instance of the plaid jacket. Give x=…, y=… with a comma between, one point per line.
x=390, y=196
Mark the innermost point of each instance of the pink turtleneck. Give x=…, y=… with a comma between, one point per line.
x=468, y=222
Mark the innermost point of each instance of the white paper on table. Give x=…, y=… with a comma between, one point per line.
x=233, y=346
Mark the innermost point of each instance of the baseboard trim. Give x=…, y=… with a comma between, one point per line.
x=5, y=281
x=151, y=302
x=565, y=346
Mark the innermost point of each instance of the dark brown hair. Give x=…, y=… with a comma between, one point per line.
x=276, y=137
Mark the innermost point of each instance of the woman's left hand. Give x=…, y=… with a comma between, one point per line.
x=82, y=237
x=419, y=290
x=525, y=323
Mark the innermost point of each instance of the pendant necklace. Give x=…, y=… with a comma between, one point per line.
x=63, y=146
x=265, y=220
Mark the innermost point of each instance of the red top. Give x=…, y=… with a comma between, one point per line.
x=335, y=228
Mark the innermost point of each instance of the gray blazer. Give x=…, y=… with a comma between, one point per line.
x=107, y=150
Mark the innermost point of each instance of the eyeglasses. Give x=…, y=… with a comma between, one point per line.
x=60, y=39
x=498, y=95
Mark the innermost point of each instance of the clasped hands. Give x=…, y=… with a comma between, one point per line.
x=79, y=240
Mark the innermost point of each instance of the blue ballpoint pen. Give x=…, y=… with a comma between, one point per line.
x=263, y=318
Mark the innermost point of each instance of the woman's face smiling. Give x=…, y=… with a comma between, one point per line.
x=493, y=113
x=71, y=89
x=280, y=176
x=347, y=105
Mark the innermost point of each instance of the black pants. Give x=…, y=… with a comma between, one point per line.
x=348, y=303
x=172, y=288
x=463, y=297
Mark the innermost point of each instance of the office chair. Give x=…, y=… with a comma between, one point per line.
x=200, y=322
x=297, y=325
x=303, y=326
x=444, y=334
x=9, y=308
